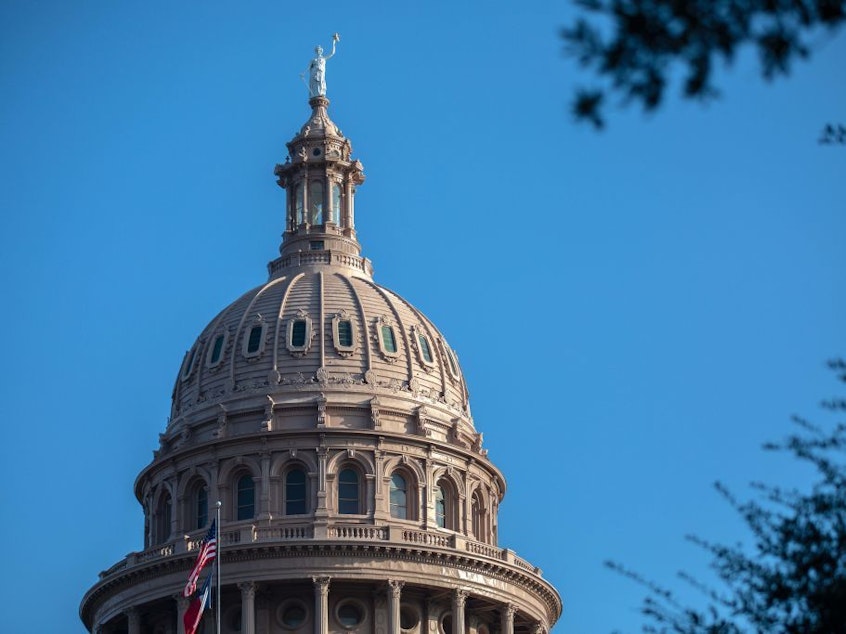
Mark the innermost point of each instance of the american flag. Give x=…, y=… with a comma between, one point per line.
x=208, y=551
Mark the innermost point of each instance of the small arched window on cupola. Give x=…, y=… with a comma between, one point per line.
x=298, y=208
x=336, y=203
x=316, y=203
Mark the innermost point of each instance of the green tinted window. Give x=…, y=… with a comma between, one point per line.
x=216, y=350
x=388, y=339
x=425, y=350
x=345, y=333
x=254, y=343
x=298, y=334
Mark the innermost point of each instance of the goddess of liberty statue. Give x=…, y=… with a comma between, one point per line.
x=317, y=70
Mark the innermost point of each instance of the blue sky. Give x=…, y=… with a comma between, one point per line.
x=635, y=311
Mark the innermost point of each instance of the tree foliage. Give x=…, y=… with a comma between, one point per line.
x=650, y=37
x=793, y=580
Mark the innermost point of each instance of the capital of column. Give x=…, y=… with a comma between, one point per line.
x=459, y=597
x=321, y=584
x=248, y=589
x=510, y=610
x=395, y=586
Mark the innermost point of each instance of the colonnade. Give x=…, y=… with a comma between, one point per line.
x=321, y=610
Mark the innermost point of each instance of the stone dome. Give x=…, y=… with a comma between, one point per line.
x=318, y=329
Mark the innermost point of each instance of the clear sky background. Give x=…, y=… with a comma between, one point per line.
x=635, y=311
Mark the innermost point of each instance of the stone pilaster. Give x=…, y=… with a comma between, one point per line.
x=181, y=606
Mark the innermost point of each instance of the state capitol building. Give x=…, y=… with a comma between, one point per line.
x=331, y=419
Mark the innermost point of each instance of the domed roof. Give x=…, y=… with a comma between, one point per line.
x=320, y=328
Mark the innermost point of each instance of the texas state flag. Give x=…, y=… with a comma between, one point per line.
x=194, y=613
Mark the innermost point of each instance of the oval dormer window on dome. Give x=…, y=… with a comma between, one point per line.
x=188, y=367
x=299, y=334
x=386, y=335
x=343, y=334
x=254, y=341
x=424, y=347
x=216, y=351
x=452, y=361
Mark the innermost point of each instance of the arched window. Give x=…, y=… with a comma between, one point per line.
x=163, y=517
x=246, y=497
x=315, y=203
x=298, y=204
x=477, y=514
x=399, y=497
x=349, y=492
x=446, y=506
x=201, y=506
x=295, y=492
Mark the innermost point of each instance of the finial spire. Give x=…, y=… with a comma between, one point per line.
x=317, y=69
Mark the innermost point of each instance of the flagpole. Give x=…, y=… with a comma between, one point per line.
x=219, y=544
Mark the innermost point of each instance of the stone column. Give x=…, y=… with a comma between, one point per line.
x=459, y=598
x=248, y=607
x=181, y=607
x=264, y=498
x=321, y=605
x=395, y=590
x=506, y=618
x=133, y=621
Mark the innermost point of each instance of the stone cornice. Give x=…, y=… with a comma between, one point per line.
x=499, y=570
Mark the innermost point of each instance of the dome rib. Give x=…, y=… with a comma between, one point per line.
x=363, y=315
x=282, y=304
x=239, y=329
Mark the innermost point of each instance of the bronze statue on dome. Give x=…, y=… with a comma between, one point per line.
x=317, y=70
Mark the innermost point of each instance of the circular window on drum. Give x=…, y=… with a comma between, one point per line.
x=350, y=614
x=292, y=614
x=446, y=623
x=409, y=618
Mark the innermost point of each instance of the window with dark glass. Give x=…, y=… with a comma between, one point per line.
x=349, y=615
x=163, y=517
x=298, y=333
x=295, y=492
x=336, y=203
x=298, y=198
x=477, y=513
x=453, y=365
x=293, y=615
x=217, y=349
x=254, y=343
x=388, y=340
x=201, y=508
x=440, y=506
x=425, y=350
x=189, y=364
x=315, y=202
x=246, y=500
x=345, y=337
x=348, y=492
x=399, y=497
x=316, y=245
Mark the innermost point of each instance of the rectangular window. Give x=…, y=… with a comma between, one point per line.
x=216, y=350
x=388, y=339
x=345, y=338
x=254, y=343
x=316, y=245
x=298, y=334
